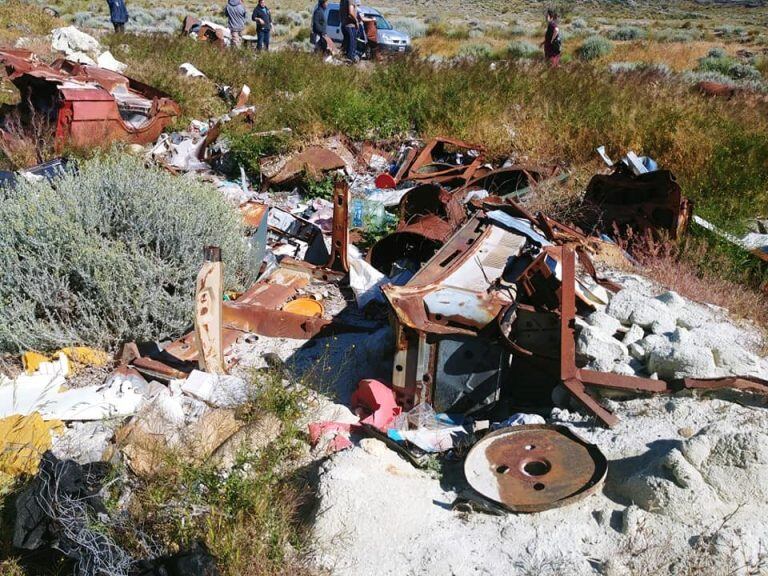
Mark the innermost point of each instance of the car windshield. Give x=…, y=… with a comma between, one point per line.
x=381, y=22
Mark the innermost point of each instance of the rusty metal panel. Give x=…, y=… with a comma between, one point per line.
x=88, y=100
x=648, y=204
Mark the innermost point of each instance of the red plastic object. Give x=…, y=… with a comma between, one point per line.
x=385, y=181
x=374, y=402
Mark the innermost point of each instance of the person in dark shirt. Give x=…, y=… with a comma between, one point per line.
x=118, y=14
x=263, y=18
x=552, y=42
x=348, y=14
x=320, y=27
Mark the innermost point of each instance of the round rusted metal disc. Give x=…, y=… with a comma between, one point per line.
x=305, y=307
x=535, y=467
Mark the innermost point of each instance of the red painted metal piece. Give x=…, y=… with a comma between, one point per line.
x=87, y=103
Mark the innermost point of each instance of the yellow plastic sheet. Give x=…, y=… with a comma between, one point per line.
x=23, y=440
x=77, y=356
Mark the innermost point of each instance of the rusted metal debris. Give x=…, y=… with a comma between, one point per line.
x=649, y=204
x=446, y=161
x=429, y=215
x=191, y=26
x=533, y=467
x=87, y=105
x=260, y=310
x=312, y=162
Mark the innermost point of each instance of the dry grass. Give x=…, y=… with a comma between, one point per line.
x=682, y=269
x=679, y=56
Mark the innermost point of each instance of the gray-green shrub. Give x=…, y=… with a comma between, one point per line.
x=109, y=254
x=522, y=49
x=728, y=67
x=676, y=35
x=475, y=51
x=414, y=27
x=625, y=33
x=594, y=47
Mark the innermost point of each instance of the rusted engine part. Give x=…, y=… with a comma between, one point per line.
x=87, y=105
x=647, y=204
x=260, y=309
x=545, y=311
x=446, y=353
x=192, y=26
x=532, y=468
x=445, y=161
x=428, y=216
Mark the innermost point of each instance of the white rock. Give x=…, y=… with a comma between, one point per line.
x=683, y=360
x=81, y=58
x=70, y=39
x=598, y=347
x=634, y=334
x=631, y=307
x=737, y=361
x=603, y=322
x=637, y=351
x=693, y=316
x=623, y=304
x=663, y=325
x=109, y=62
x=649, y=311
x=672, y=299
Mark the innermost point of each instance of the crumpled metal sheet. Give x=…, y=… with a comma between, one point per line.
x=650, y=203
x=90, y=106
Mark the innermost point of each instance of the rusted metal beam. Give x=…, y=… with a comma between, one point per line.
x=745, y=383
x=338, y=260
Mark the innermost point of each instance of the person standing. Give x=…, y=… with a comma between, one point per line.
x=552, y=41
x=371, y=31
x=236, y=15
x=263, y=18
x=348, y=13
x=118, y=14
x=320, y=27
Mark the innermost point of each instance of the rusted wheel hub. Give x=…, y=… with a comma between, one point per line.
x=535, y=467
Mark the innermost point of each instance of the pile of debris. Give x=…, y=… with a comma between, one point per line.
x=497, y=313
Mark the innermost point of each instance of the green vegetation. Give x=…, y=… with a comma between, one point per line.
x=627, y=33
x=109, y=255
x=252, y=522
x=522, y=49
x=248, y=147
x=593, y=48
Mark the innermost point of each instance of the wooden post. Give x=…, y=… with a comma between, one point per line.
x=209, y=327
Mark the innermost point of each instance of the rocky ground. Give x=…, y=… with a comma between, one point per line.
x=686, y=488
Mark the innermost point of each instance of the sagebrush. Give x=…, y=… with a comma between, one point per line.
x=109, y=254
